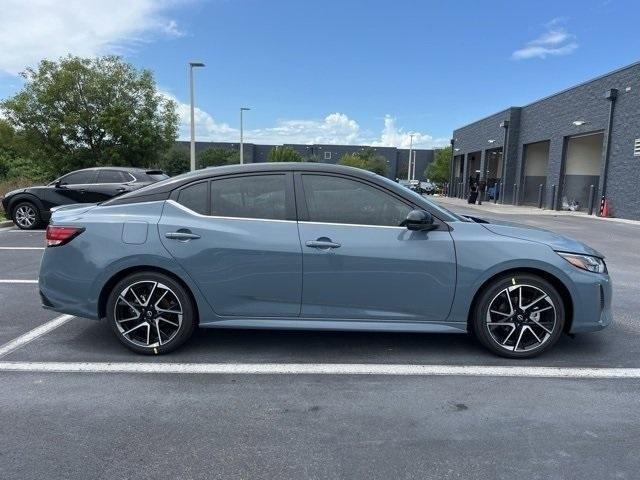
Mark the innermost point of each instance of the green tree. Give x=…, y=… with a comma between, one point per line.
x=215, y=157
x=174, y=161
x=80, y=112
x=439, y=170
x=284, y=154
x=367, y=159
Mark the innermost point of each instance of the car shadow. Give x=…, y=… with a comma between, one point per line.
x=87, y=340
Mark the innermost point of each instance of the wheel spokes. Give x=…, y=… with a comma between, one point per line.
x=148, y=314
x=527, y=325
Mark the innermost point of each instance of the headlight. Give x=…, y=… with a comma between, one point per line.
x=585, y=262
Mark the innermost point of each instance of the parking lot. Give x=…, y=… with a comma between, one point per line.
x=332, y=404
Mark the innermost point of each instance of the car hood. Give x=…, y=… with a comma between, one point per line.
x=13, y=192
x=556, y=241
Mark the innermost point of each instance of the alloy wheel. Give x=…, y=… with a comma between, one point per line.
x=25, y=216
x=521, y=318
x=148, y=314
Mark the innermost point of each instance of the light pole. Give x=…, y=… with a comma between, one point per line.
x=413, y=174
x=242, y=109
x=410, y=152
x=193, y=127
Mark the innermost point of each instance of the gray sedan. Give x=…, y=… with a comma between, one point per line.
x=314, y=246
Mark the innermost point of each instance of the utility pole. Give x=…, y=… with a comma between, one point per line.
x=413, y=175
x=242, y=109
x=410, y=152
x=193, y=65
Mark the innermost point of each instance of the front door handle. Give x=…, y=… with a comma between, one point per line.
x=183, y=236
x=322, y=243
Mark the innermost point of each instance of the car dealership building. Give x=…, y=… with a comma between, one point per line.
x=572, y=149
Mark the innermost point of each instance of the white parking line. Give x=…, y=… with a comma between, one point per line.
x=322, y=369
x=16, y=280
x=31, y=335
x=21, y=248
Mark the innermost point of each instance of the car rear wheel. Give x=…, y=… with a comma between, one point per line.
x=26, y=216
x=151, y=313
x=519, y=316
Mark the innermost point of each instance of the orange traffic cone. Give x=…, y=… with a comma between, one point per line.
x=604, y=208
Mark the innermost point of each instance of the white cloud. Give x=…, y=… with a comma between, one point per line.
x=37, y=29
x=555, y=41
x=336, y=128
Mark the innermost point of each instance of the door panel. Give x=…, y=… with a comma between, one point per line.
x=384, y=273
x=242, y=266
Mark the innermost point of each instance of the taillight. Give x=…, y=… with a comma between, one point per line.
x=59, y=235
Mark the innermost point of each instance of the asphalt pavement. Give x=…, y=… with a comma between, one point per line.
x=61, y=425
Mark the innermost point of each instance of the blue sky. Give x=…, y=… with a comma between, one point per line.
x=349, y=71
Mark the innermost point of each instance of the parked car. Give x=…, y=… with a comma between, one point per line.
x=31, y=207
x=314, y=246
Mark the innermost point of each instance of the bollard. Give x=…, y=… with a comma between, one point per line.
x=553, y=197
x=515, y=185
x=540, y=187
x=592, y=198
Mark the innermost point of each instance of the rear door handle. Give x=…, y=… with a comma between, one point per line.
x=322, y=243
x=184, y=236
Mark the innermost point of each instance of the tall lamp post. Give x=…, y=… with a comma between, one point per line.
x=242, y=109
x=193, y=65
x=410, y=153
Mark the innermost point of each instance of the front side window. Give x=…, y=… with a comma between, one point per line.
x=341, y=200
x=255, y=196
x=78, y=178
x=194, y=197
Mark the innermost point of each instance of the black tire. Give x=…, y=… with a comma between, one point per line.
x=22, y=213
x=177, y=298
x=505, y=308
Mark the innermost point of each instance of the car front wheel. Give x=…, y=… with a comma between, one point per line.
x=151, y=313
x=519, y=316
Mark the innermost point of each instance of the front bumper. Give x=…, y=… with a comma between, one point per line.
x=591, y=303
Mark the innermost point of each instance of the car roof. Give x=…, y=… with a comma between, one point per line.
x=123, y=169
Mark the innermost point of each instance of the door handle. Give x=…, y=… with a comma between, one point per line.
x=183, y=236
x=121, y=189
x=322, y=243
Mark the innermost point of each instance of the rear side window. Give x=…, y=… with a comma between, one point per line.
x=256, y=196
x=194, y=197
x=78, y=178
x=112, y=176
x=341, y=200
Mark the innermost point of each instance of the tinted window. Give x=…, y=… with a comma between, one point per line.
x=112, y=176
x=259, y=196
x=340, y=200
x=77, y=178
x=194, y=197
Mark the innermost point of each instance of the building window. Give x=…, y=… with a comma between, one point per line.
x=327, y=155
x=636, y=148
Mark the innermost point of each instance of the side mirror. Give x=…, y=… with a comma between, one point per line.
x=60, y=184
x=419, y=220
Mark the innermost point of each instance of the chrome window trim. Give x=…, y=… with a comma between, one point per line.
x=350, y=225
x=217, y=217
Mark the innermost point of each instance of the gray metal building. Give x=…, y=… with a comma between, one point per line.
x=552, y=150
x=395, y=158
